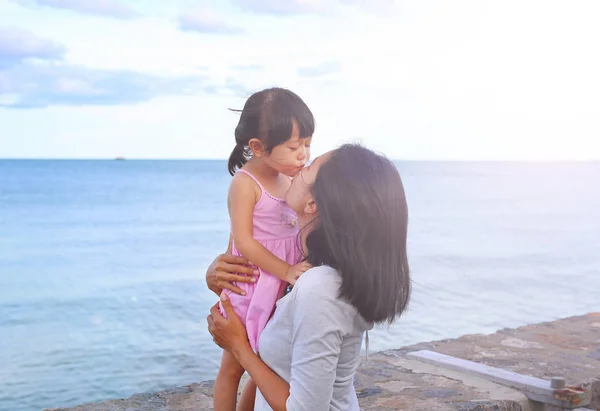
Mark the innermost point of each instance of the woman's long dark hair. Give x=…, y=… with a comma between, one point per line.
x=269, y=115
x=361, y=231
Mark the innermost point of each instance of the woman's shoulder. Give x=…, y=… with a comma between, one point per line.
x=319, y=283
x=323, y=275
x=317, y=293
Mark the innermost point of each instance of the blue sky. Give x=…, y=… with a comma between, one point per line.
x=419, y=79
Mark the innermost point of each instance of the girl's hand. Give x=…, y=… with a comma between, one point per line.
x=229, y=334
x=296, y=271
x=225, y=270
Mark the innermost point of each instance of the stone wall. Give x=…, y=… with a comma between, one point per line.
x=391, y=380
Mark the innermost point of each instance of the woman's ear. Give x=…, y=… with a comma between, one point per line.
x=311, y=207
x=257, y=147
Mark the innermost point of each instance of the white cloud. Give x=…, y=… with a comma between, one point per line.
x=17, y=45
x=105, y=8
x=314, y=7
x=278, y=7
x=431, y=79
x=203, y=20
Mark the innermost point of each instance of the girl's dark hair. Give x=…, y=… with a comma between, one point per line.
x=269, y=115
x=361, y=231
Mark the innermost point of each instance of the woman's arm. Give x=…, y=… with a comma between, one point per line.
x=320, y=321
x=242, y=199
x=230, y=334
x=274, y=389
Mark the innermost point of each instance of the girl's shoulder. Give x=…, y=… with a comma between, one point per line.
x=243, y=184
x=246, y=177
x=272, y=189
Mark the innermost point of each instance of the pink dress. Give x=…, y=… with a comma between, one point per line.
x=276, y=228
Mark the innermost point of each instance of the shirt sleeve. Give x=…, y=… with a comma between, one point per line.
x=321, y=320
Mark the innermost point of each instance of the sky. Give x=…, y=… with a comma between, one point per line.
x=415, y=80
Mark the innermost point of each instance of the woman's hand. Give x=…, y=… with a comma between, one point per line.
x=229, y=334
x=225, y=270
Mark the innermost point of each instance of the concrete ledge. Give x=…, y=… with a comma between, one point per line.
x=392, y=380
x=400, y=383
x=536, y=389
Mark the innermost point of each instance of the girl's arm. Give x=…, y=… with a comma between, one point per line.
x=242, y=199
x=230, y=243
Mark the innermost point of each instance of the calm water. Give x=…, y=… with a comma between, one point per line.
x=102, y=266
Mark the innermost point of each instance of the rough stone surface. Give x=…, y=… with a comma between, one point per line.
x=569, y=348
x=565, y=348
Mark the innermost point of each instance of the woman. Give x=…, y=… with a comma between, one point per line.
x=351, y=205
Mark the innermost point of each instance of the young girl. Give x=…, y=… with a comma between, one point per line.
x=273, y=139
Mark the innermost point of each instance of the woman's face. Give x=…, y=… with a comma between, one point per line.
x=298, y=196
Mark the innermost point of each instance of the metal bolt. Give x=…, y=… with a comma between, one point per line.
x=557, y=383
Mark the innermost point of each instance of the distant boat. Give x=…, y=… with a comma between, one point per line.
x=120, y=158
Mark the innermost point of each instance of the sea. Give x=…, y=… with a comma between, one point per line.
x=102, y=266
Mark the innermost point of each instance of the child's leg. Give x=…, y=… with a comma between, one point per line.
x=248, y=396
x=227, y=383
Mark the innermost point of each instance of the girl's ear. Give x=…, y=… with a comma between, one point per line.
x=257, y=147
x=311, y=207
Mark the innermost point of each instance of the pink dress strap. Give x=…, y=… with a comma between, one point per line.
x=253, y=178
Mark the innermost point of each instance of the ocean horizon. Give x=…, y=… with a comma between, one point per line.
x=102, y=265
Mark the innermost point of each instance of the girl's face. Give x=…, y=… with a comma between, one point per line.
x=299, y=196
x=290, y=157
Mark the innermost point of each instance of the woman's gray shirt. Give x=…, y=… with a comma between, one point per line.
x=313, y=342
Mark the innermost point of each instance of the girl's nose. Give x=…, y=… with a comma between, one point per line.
x=302, y=154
